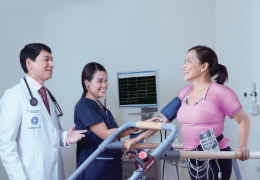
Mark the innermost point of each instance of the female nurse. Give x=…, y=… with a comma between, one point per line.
x=90, y=114
x=202, y=106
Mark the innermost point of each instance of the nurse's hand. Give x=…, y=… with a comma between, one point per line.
x=151, y=120
x=74, y=136
x=243, y=153
x=129, y=155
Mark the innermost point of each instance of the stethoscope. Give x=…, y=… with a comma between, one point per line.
x=34, y=101
x=104, y=106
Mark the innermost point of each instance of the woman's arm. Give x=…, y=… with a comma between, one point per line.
x=244, y=127
x=101, y=130
x=145, y=134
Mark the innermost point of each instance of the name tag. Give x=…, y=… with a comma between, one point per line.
x=33, y=111
x=39, y=127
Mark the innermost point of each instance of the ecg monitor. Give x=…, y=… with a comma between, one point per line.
x=138, y=89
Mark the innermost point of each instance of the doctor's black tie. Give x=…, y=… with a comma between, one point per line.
x=42, y=91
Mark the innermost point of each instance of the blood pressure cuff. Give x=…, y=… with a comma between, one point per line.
x=170, y=111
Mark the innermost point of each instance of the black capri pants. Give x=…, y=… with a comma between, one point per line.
x=224, y=164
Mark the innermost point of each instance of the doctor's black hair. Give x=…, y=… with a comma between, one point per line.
x=31, y=51
x=88, y=73
x=206, y=54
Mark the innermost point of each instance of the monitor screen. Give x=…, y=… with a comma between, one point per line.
x=138, y=89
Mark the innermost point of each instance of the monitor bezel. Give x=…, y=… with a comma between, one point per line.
x=157, y=88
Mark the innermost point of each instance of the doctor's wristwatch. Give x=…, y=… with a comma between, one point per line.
x=160, y=119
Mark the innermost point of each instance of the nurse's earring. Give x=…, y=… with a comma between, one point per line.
x=87, y=86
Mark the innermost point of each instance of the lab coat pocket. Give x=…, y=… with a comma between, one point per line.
x=33, y=166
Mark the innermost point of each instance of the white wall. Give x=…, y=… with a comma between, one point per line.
x=237, y=45
x=122, y=36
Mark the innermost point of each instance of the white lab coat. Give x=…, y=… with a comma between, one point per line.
x=30, y=138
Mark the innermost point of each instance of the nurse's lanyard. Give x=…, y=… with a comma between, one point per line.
x=34, y=101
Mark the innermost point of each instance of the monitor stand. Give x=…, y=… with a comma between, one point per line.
x=146, y=113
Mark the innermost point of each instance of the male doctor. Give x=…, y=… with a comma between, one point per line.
x=31, y=136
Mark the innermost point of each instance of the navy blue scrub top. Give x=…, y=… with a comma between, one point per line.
x=108, y=165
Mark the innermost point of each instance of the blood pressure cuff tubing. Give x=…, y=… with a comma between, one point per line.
x=170, y=111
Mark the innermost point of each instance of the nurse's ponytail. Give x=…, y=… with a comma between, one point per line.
x=206, y=54
x=88, y=74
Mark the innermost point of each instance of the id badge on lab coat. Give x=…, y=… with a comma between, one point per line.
x=34, y=119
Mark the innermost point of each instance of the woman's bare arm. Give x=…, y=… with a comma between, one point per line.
x=244, y=127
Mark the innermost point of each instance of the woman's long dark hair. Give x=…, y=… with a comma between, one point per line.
x=88, y=73
x=205, y=54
